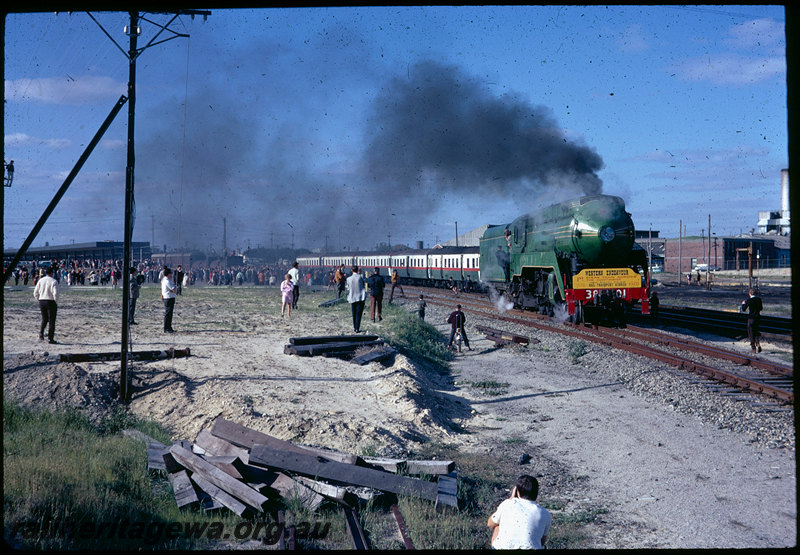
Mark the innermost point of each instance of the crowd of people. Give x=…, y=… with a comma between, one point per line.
x=109, y=272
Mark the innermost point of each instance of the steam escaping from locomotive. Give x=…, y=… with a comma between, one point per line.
x=498, y=300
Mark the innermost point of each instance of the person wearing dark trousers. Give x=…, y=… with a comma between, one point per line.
x=135, y=286
x=376, y=286
x=457, y=319
x=395, y=285
x=654, y=303
x=357, y=293
x=421, y=307
x=753, y=306
x=295, y=273
x=340, y=280
x=46, y=292
x=168, y=294
x=179, y=279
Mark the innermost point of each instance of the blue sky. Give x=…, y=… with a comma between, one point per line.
x=355, y=126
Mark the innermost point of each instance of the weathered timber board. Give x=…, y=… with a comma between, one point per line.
x=182, y=489
x=499, y=336
x=316, y=467
x=281, y=484
x=226, y=464
x=328, y=490
x=217, y=477
x=332, y=302
x=433, y=468
x=220, y=495
x=136, y=355
x=246, y=437
x=447, y=494
x=155, y=456
x=374, y=356
x=328, y=348
x=216, y=446
x=390, y=465
x=332, y=339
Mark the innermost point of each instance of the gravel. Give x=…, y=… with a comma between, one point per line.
x=674, y=464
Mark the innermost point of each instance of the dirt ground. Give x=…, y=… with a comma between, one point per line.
x=616, y=449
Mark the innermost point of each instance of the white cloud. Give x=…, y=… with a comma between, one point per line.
x=632, y=40
x=64, y=90
x=18, y=140
x=757, y=33
x=731, y=69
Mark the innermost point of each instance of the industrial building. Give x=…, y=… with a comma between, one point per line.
x=98, y=251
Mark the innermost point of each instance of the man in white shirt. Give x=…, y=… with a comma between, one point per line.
x=295, y=273
x=168, y=293
x=356, y=295
x=46, y=292
x=519, y=522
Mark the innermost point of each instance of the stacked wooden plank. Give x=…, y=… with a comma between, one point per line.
x=503, y=337
x=343, y=346
x=332, y=302
x=134, y=355
x=244, y=470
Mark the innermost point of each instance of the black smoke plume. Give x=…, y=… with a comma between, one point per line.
x=442, y=131
x=431, y=134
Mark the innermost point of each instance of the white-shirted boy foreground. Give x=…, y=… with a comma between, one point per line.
x=519, y=522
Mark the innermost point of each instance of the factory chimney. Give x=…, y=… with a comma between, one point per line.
x=785, y=191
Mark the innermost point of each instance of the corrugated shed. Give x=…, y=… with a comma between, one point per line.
x=468, y=239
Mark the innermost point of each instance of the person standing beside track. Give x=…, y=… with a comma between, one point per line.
x=168, y=295
x=753, y=306
x=340, y=280
x=457, y=319
x=654, y=303
x=46, y=292
x=295, y=273
x=376, y=286
x=287, y=295
x=395, y=284
x=134, y=285
x=421, y=307
x=355, y=296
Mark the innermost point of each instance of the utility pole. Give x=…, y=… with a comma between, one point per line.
x=680, y=251
x=133, y=30
x=133, y=33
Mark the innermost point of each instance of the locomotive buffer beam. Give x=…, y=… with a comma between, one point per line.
x=503, y=337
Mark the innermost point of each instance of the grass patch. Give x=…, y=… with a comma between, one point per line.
x=415, y=337
x=63, y=477
x=492, y=387
x=576, y=350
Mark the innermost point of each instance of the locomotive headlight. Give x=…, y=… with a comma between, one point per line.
x=607, y=234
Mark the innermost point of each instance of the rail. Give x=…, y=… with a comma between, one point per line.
x=729, y=324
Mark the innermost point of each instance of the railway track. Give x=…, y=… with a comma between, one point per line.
x=721, y=322
x=729, y=373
